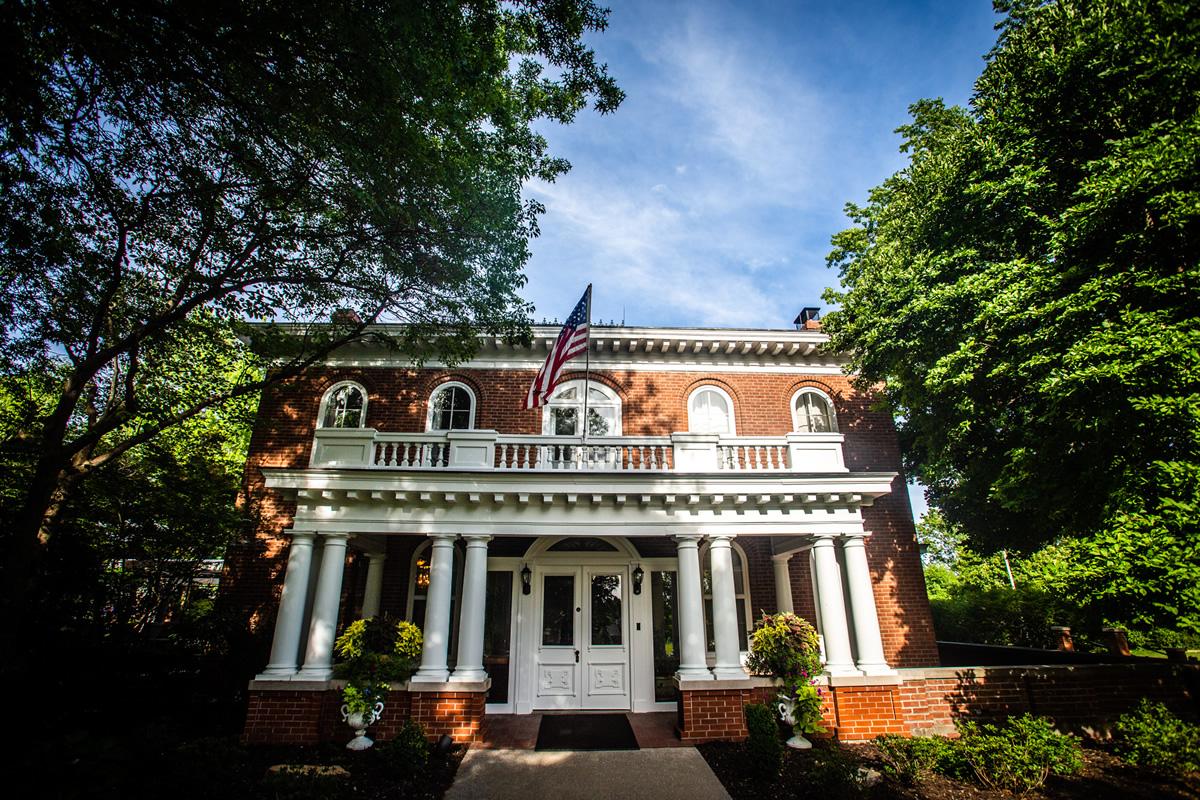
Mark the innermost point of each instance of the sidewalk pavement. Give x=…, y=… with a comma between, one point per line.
x=678, y=773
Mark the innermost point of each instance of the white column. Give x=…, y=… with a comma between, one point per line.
x=436, y=632
x=692, y=664
x=289, y=623
x=783, y=584
x=862, y=608
x=474, y=608
x=725, y=622
x=318, y=659
x=838, y=660
x=374, y=590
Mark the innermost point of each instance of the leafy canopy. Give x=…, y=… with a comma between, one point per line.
x=1027, y=289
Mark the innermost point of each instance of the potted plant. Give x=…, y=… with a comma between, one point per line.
x=785, y=647
x=375, y=653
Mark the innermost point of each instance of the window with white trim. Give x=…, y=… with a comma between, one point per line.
x=741, y=590
x=561, y=415
x=812, y=412
x=710, y=410
x=451, y=408
x=344, y=406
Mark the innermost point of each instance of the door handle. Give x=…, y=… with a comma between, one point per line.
x=576, y=656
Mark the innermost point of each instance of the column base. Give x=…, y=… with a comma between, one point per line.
x=313, y=674
x=467, y=676
x=881, y=670
x=430, y=676
x=693, y=674
x=841, y=669
x=729, y=673
x=277, y=673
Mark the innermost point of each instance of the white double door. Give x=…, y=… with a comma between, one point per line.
x=582, y=638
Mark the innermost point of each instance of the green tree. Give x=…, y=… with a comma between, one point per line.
x=1027, y=288
x=170, y=169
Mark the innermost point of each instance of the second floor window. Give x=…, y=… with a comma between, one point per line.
x=562, y=414
x=812, y=412
x=710, y=411
x=452, y=408
x=344, y=406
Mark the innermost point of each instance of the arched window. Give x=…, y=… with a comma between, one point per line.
x=560, y=416
x=741, y=589
x=812, y=412
x=344, y=406
x=710, y=410
x=451, y=408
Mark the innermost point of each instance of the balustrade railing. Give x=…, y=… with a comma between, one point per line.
x=479, y=450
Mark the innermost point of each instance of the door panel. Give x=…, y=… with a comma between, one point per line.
x=558, y=662
x=606, y=649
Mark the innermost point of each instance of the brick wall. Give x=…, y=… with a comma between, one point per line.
x=1084, y=699
x=310, y=717
x=653, y=403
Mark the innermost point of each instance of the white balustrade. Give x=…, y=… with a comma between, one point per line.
x=481, y=450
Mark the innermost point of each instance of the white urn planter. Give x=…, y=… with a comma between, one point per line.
x=787, y=710
x=359, y=721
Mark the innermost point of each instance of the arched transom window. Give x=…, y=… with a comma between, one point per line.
x=344, y=406
x=561, y=415
x=812, y=412
x=451, y=408
x=710, y=410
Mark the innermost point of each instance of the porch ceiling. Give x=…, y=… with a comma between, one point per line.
x=558, y=503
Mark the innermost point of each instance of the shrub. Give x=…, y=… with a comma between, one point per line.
x=833, y=775
x=295, y=784
x=784, y=646
x=1019, y=755
x=407, y=754
x=375, y=653
x=765, y=749
x=1018, y=617
x=1151, y=736
x=911, y=759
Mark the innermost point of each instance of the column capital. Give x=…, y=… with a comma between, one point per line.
x=443, y=538
x=782, y=558
x=477, y=539
x=723, y=538
x=824, y=539
x=854, y=539
x=335, y=536
x=687, y=539
x=303, y=537
x=372, y=556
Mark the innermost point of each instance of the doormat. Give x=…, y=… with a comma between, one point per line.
x=586, y=732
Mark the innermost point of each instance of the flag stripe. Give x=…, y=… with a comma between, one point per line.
x=572, y=341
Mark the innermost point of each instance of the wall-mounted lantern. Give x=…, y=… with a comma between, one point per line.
x=638, y=575
x=526, y=579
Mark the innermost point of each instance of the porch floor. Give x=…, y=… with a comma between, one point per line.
x=519, y=731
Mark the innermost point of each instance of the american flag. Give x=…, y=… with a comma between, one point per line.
x=572, y=340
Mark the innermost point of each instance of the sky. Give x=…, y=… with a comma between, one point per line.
x=710, y=196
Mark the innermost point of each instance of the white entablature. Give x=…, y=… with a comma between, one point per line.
x=578, y=503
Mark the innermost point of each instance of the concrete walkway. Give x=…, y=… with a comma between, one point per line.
x=678, y=773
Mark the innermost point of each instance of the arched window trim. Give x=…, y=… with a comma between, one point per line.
x=745, y=599
x=613, y=401
x=331, y=391
x=710, y=387
x=833, y=422
x=446, y=385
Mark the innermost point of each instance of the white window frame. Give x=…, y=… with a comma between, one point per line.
x=329, y=393
x=745, y=599
x=613, y=401
x=448, y=385
x=833, y=422
x=708, y=387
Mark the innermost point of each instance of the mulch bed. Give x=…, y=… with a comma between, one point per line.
x=827, y=772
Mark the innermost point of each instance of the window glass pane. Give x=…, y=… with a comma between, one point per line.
x=738, y=585
x=497, y=629
x=563, y=421
x=451, y=409
x=606, y=609
x=344, y=409
x=600, y=421
x=710, y=412
x=558, y=610
x=567, y=394
x=663, y=602
x=582, y=544
x=597, y=396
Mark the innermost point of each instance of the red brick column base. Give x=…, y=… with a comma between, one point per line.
x=456, y=712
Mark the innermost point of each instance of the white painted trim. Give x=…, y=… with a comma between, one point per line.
x=613, y=402
x=330, y=392
x=833, y=421
x=441, y=387
x=710, y=387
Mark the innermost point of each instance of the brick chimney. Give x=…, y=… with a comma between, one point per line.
x=809, y=319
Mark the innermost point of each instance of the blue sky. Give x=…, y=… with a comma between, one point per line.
x=710, y=196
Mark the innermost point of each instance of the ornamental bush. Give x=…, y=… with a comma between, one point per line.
x=784, y=646
x=375, y=653
x=1018, y=755
x=911, y=759
x=1151, y=736
x=765, y=749
x=407, y=755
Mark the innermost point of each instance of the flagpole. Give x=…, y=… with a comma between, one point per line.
x=587, y=363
